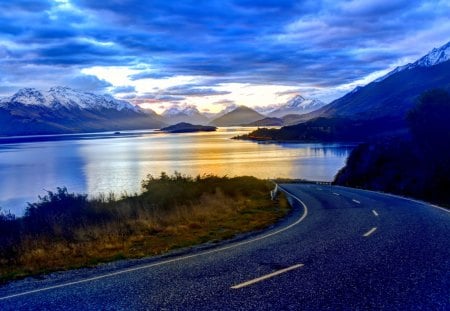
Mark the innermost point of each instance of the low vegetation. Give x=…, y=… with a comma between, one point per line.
x=415, y=164
x=65, y=230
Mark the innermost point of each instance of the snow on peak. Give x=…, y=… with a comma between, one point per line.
x=174, y=110
x=64, y=97
x=302, y=103
x=296, y=105
x=434, y=57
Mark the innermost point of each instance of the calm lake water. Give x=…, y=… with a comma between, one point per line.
x=95, y=163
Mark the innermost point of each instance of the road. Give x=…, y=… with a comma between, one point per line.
x=340, y=248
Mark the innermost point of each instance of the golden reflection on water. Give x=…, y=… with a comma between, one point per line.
x=120, y=164
x=109, y=163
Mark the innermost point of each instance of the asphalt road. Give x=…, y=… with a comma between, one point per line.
x=340, y=248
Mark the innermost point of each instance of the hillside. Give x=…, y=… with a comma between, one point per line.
x=415, y=164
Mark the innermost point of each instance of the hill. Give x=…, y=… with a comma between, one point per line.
x=240, y=116
x=184, y=127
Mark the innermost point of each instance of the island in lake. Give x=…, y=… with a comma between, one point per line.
x=184, y=127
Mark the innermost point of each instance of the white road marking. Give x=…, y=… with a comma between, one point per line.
x=267, y=276
x=370, y=232
x=400, y=197
x=356, y=201
x=335, y=193
x=319, y=189
x=375, y=212
x=305, y=213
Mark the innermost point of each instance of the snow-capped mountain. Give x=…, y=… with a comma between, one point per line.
x=186, y=113
x=296, y=105
x=174, y=110
x=64, y=110
x=64, y=97
x=434, y=57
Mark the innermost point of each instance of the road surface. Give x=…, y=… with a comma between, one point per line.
x=340, y=248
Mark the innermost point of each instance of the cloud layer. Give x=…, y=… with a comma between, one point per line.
x=314, y=45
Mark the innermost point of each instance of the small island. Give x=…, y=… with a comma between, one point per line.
x=184, y=127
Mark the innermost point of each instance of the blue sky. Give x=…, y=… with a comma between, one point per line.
x=213, y=53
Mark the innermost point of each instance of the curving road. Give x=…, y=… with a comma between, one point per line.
x=340, y=248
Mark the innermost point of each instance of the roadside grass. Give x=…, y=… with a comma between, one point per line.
x=65, y=230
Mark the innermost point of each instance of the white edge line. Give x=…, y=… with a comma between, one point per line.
x=335, y=193
x=305, y=213
x=375, y=212
x=267, y=276
x=370, y=232
x=356, y=201
x=400, y=197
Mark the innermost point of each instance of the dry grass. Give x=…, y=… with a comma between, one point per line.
x=131, y=227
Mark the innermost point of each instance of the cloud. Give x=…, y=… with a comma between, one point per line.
x=88, y=83
x=225, y=102
x=313, y=43
x=192, y=90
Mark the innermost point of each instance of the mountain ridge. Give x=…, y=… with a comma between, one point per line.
x=62, y=110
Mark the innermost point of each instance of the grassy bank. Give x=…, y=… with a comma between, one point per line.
x=65, y=230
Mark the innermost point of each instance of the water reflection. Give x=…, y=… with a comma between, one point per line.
x=119, y=164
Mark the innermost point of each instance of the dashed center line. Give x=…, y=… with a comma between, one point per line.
x=356, y=201
x=335, y=193
x=375, y=212
x=370, y=232
x=267, y=276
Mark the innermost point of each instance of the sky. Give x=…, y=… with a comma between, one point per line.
x=213, y=53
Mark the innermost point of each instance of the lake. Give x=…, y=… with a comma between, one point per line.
x=104, y=162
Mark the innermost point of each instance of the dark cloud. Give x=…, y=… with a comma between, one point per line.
x=88, y=83
x=323, y=43
x=192, y=90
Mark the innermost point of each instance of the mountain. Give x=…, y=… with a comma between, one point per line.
x=395, y=93
x=187, y=114
x=64, y=110
x=240, y=116
x=297, y=105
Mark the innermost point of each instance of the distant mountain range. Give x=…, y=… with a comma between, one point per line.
x=64, y=110
x=378, y=108
x=186, y=114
